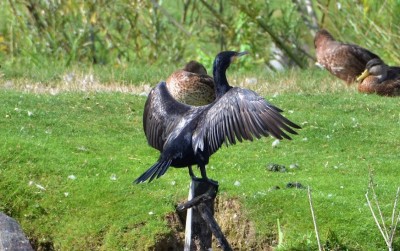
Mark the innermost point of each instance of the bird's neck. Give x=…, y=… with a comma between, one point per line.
x=382, y=77
x=221, y=83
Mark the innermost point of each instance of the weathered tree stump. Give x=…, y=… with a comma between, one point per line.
x=12, y=237
x=200, y=221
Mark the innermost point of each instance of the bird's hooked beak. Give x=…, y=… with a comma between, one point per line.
x=363, y=76
x=239, y=54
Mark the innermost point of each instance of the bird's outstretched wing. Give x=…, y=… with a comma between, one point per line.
x=161, y=114
x=240, y=114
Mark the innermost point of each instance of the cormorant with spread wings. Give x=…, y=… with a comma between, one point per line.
x=188, y=135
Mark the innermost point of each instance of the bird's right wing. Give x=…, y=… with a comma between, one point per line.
x=239, y=114
x=161, y=114
x=362, y=53
x=358, y=56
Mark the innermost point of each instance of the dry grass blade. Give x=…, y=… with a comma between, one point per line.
x=375, y=218
x=314, y=220
x=388, y=236
x=395, y=219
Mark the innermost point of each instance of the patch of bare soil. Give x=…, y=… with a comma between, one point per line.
x=41, y=244
x=175, y=239
x=237, y=228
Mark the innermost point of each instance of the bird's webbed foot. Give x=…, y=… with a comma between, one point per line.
x=210, y=181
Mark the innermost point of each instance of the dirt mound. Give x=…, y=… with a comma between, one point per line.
x=238, y=229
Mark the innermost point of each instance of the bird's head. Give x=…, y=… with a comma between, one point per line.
x=322, y=36
x=195, y=67
x=225, y=58
x=375, y=67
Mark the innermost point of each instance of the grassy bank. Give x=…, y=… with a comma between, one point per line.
x=68, y=159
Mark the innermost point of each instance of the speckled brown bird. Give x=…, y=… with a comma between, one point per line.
x=345, y=61
x=380, y=78
x=191, y=85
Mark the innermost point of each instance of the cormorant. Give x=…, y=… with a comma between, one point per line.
x=380, y=78
x=188, y=135
x=345, y=61
x=191, y=85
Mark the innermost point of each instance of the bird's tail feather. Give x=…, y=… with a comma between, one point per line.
x=155, y=171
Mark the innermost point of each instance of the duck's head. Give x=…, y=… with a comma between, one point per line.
x=322, y=36
x=195, y=67
x=375, y=67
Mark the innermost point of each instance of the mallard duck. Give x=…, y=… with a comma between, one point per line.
x=191, y=85
x=380, y=78
x=188, y=135
x=345, y=61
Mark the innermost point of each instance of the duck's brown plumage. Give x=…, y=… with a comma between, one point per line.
x=191, y=85
x=345, y=61
x=380, y=78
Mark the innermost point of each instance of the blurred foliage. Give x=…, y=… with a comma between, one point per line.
x=372, y=24
x=123, y=32
x=120, y=32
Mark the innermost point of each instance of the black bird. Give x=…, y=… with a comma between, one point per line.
x=188, y=135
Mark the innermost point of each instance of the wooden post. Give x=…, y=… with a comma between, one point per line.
x=200, y=221
x=188, y=226
x=197, y=235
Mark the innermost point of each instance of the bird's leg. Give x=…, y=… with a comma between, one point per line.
x=191, y=172
x=203, y=172
x=204, y=175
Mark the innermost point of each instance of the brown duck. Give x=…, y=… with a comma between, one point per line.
x=191, y=85
x=345, y=61
x=380, y=78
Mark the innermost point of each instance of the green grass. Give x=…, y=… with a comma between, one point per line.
x=96, y=136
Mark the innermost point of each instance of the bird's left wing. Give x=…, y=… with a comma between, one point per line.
x=240, y=114
x=356, y=57
x=161, y=115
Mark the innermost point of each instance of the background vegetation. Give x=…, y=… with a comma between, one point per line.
x=72, y=130
x=135, y=33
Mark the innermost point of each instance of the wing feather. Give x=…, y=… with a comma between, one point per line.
x=161, y=115
x=240, y=114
